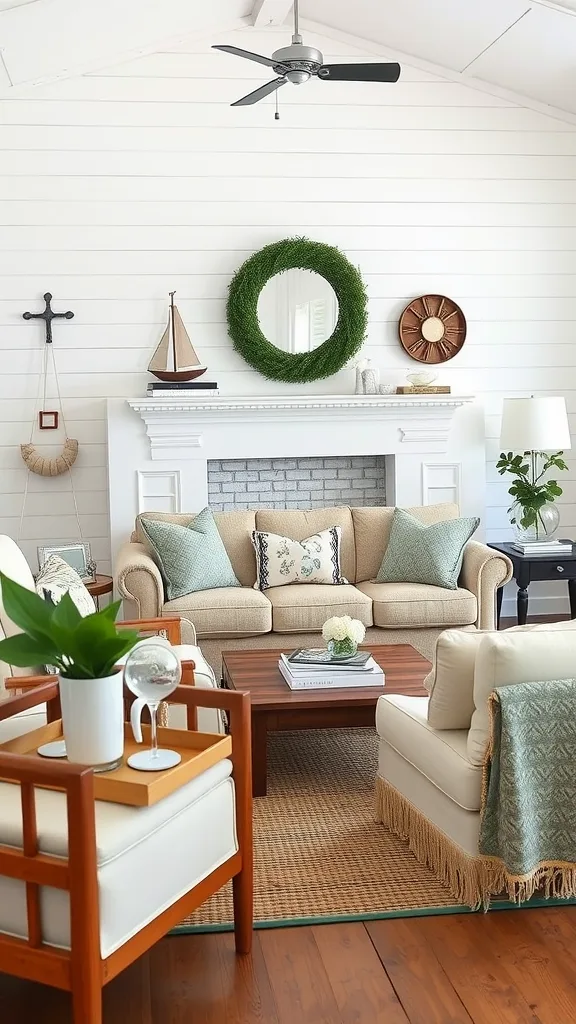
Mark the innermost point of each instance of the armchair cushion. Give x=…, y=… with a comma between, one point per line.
x=515, y=657
x=451, y=681
x=440, y=756
x=405, y=605
x=148, y=857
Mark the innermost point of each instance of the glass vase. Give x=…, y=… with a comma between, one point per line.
x=342, y=648
x=547, y=522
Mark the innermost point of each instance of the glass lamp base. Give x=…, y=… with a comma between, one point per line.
x=146, y=761
x=543, y=530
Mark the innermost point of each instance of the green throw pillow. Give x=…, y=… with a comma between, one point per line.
x=425, y=554
x=192, y=557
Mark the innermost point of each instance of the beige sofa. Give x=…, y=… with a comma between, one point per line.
x=292, y=616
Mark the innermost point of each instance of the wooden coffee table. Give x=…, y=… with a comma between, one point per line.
x=276, y=707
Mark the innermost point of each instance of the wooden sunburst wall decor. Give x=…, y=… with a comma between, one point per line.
x=432, y=329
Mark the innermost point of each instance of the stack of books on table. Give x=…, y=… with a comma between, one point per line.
x=188, y=388
x=544, y=547
x=316, y=669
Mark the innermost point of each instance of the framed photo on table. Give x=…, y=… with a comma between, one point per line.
x=77, y=555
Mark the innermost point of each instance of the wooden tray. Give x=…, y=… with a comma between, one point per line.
x=199, y=751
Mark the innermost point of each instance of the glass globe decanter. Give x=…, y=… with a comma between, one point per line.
x=548, y=520
x=152, y=672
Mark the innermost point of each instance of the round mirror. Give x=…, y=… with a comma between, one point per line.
x=297, y=310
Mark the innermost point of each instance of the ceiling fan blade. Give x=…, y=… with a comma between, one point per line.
x=251, y=56
x=359, y=72
x=259, y=94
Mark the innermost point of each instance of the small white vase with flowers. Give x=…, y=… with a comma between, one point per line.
x=342, y=634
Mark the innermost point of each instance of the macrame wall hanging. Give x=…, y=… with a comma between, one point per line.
x=49, y=419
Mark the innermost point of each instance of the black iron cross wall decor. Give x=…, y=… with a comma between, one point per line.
x=48, y=315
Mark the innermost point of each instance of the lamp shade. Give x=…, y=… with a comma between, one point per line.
x=534, y=424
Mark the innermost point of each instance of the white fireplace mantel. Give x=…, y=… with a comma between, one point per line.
x=174, y=425
x=159, y=448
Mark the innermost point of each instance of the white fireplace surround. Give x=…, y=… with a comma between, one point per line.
x=158, y=449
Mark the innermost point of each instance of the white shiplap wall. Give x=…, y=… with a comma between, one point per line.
x=118, y=186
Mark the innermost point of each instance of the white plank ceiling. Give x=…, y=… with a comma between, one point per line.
x=526, y=47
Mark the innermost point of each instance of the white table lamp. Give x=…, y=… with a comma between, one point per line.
x=532, y=427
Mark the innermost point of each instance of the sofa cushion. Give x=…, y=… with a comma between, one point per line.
x=129, y=840
x=235, y=528
x=440, y=756
x=372, y=530
x=417, y=553
x=281, y=561
x=403, y=605
x=224, y=611
x=304, y=609
x=515, y=657
x=299, y=524
x=190, y=558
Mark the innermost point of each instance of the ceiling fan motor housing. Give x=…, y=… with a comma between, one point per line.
x=303, y=62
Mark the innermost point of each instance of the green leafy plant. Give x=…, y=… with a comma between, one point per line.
x=529, y=490
x=242, y=310
x=79, y=647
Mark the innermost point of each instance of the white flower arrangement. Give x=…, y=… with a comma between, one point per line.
x=343, y=627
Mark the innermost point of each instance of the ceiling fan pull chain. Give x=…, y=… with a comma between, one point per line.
x=276, y=112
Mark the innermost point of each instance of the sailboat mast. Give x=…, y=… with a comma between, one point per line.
x=172, y=294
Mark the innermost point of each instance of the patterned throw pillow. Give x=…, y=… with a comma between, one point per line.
x=425, y=554
x=57, y=578
x=190, y=558
x=280, y=560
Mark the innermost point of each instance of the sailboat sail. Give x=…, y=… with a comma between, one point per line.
x=175, y=358
x=184, y=350
x=161, y=358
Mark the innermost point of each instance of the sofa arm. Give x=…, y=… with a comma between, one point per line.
x=138, y=579
x=483, y=571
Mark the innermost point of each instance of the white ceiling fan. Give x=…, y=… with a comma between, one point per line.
x=298, y=63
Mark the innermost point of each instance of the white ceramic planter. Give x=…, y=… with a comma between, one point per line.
x=93, y=720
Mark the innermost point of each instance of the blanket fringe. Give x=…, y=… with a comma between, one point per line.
x=473, y=881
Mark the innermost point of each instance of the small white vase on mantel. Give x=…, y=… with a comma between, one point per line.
x=93, y=721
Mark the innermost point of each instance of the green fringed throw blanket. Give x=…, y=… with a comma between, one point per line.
x=528, y=823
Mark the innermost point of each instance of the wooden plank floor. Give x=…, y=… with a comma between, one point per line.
x=506, y=967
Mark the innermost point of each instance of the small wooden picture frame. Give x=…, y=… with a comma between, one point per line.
x=48, y=420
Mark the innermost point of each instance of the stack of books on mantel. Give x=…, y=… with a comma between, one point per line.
x=316, y=669
x=189, y=388
x=544, y=547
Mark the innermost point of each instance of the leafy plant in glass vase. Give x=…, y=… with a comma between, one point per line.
x=533, y=513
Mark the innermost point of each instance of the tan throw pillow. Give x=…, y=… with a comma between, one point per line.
x=451, y=681
x=280, y=560
x=510, y=657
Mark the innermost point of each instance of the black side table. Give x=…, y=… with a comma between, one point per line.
x=527, y=568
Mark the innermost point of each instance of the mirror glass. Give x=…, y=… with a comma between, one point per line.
x=297, y=310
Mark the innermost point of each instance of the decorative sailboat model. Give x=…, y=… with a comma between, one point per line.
x=175, y=359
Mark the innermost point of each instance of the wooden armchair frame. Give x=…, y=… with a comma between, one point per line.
x=81, y=970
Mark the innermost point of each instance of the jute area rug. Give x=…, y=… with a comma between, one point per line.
x=319, y=852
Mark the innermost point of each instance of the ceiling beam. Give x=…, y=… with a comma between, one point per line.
x=270, y=12
x=50, y=39
x=437, y=69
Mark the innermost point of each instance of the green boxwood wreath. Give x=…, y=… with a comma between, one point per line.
x=242, y=311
